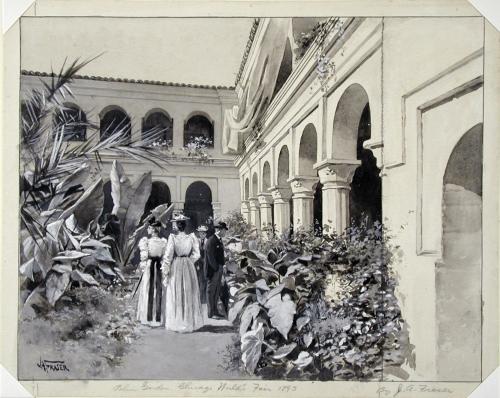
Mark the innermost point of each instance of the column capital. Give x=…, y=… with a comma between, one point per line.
x=302, y=184
x=281, y=193
x=265, y=199
x=254, y=201
x=339, y=172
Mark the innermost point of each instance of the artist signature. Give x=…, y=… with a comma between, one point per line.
x=416, y=388
x=52, y=366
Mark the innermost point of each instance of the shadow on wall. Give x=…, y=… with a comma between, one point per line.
x=458, y=276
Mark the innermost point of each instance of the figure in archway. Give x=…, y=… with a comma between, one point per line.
x=198, y=205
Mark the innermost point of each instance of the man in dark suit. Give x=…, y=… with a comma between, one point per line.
x=214, y=266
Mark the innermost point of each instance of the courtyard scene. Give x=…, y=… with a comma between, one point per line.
x=301, y=202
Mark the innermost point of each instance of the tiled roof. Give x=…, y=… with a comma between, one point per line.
x=251, y=37
x=120, y=80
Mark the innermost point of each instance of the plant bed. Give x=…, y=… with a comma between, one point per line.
x=90, y=329
x=318, y=308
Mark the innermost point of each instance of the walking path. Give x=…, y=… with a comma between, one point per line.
x=164, y=355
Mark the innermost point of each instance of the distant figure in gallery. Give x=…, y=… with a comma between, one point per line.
x=183, y=306
x=152, y=250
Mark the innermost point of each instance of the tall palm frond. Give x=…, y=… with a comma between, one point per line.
x=46, y=154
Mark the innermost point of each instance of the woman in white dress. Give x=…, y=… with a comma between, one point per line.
x=152, y=250
x=183, y=307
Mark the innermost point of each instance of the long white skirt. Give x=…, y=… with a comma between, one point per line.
x=183, y=306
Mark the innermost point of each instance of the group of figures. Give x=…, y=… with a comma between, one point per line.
x=179, y=274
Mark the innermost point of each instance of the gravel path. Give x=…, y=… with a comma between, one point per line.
x=160, y=354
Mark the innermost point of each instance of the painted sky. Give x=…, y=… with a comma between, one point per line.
x=181, y=50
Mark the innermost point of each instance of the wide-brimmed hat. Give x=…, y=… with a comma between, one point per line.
x=202, y=228
x=179, y=217
x=221, y=225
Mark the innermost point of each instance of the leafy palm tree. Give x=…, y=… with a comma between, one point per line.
x=61, y=191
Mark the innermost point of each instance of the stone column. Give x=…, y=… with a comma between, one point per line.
x=336, y=177
x=266, y=211
x=303, y=196
x=254, y=213
x=178, y=206
x=245, y=210
x=216, y=207
x=281, y=197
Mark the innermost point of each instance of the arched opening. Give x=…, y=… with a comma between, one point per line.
x=198, y=129
x=198, y=204
x=113, y=121
x=283, y=167
x=365, y=203
x=255, y=185
x=458, y=276
x=308, y=151
x=160, y=194
x=266, y=177
x=73, y=121
x=285, y=68
x=158, y=125
x=247, y=188
x=318, y=209
x=351, y=128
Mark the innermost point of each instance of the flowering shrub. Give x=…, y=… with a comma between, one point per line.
x=292, y=326
x=197, y=148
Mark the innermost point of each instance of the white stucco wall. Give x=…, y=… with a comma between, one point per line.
x=424, y=59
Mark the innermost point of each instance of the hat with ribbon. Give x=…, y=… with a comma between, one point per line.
x=202, y=228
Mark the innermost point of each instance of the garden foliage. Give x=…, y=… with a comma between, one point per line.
x=318, y=307
x=61, y=199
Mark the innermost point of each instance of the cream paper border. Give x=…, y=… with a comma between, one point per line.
x=9, y=196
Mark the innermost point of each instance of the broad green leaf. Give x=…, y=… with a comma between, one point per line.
x=94, y=243
x=44, y=252
x=80, y=176
x=138, y=195
x=281, y=312
x=248, y=316
x=308, y=338
x=304, y=359
x=53, y=229
x=302, y=321
x=283, y=351
x=28, y=248
x=251, y=348
x=235, y=310
x=62, y=268
x=107, y=269
x=120, y=184
x=69, y=255
x=83, y=277
x=55, y=286
x=88, y=207
x=28, y=269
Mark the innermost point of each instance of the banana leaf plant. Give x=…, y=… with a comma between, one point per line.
x=61, y=194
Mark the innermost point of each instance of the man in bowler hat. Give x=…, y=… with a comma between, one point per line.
x=214, y=265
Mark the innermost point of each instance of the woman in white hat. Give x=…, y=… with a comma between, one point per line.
x=183, y=307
